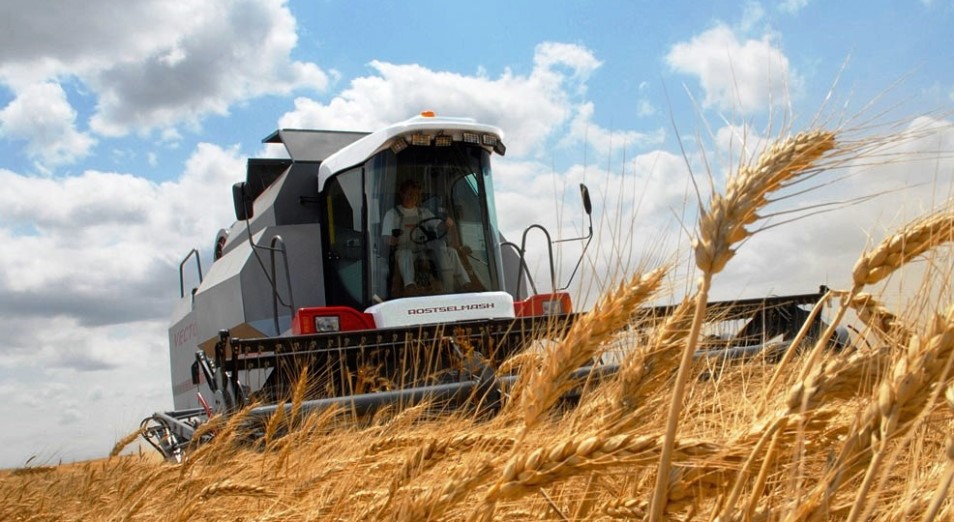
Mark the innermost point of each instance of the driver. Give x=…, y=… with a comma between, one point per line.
x=399, y=225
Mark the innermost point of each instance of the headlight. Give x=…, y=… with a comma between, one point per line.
x=327, y=324
x=552, y=307
x=398, y=145
x=421, y=140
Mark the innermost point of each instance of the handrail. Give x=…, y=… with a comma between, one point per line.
x=523, y=250
x=521, y=269
x=588, y=209
x=198, y=263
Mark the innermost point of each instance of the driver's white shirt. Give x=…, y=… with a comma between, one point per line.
x=405, y=219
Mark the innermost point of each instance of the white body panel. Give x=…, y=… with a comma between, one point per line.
x=442, y=309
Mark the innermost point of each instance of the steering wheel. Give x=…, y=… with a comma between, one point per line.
x=429, y=229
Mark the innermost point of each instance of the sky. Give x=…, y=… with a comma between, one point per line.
x=123, y=126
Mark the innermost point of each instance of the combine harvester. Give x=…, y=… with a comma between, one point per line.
x=375, y=261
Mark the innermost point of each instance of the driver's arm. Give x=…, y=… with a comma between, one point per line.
x=389, y=225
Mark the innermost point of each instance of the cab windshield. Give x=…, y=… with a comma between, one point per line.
x=430, y=222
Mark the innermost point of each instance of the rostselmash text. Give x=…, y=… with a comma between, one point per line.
x=449, y=308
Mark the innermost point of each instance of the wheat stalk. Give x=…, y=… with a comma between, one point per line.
x=940, y=495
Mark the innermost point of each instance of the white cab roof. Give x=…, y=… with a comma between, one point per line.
x=362, y=149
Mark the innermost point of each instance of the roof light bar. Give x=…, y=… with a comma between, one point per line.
x=443, y=140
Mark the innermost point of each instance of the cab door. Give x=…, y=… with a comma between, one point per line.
x=345, y=245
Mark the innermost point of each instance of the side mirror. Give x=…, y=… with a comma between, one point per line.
x=240, y=199
x=587, y=205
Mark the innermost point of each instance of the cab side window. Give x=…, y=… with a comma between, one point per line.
x=344, y=239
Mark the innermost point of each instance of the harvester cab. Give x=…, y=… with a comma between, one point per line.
x=373, y=259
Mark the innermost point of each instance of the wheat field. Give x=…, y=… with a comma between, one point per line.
x=862, y=433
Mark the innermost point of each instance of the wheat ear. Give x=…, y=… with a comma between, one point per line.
x=653, y=359
x=724, y=223
x=298, y=395
x=918, y=237
x=722, y=226
x=526, y=472
x=231, y=488
x=125, y=441
x=626, y=509
x=879, y=319
x=913, y=240
x=837, y=378
x=433, y=503
x=434, y=450
x=274, y=422
x=902, y=398
x=899, y=400
x=547, y=383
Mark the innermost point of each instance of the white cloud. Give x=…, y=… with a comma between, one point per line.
x=645, y=108
x=530, y=108
x=158, y=64
x=744, y=77
x=752, y=14
x=88, y=277
x=792, y=6
x=102, y=247
x=42, y=115
x=79, y=412
x=606, y=142
x=238, y=51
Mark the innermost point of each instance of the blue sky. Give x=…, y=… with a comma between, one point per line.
x=122, y=130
